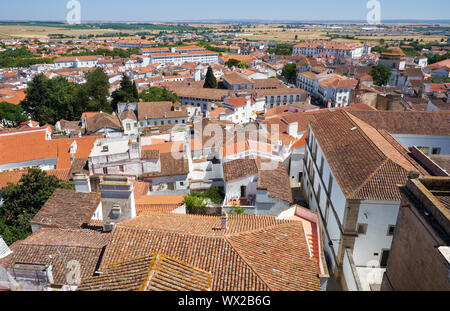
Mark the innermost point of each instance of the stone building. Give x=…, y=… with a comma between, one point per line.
x=419, y=259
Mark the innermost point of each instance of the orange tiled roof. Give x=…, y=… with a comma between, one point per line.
x=14, y=176
x=365, y=163
x=160, y=199
x=239, y=258
x=31, y=144
x=49, y=246
x=154, y=272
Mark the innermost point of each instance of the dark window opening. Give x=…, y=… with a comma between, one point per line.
x=384, y=258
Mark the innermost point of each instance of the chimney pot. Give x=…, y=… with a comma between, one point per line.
x=224, y=221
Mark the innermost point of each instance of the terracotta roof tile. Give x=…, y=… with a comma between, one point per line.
x=155, y=272
x=57, y=247
x=67, y=209
x=365, y=163
x=236, y=257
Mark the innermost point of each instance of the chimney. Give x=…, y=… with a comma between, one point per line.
x=224, y=221
x=293, y=129
x=117, y=201
x=82, y=183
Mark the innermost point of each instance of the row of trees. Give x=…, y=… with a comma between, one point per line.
x=50, y=100
x=21, y=57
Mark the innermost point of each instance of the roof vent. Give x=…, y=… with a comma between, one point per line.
x=115, y=211
x=414, y=174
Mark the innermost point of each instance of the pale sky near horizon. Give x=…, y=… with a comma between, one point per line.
x=172, y=10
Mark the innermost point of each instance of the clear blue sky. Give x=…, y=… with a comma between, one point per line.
x=170, y=10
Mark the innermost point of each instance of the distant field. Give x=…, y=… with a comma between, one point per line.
x=21, y=31
x=8, y=31
x=260, y=32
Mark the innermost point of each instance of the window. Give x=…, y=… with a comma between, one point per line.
x=391, y=230
x=424, y=149
x=318, y=193
x=105, y=170
x=314, y=153
x=128, y=126
x=121, y=168
x=321, y=166
x=330, y=184
x=362, y=228
x=243, y=191
x=436, y=151
x=384, y=258
x=327, y=209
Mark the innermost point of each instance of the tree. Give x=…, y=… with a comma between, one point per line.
x=242, y=65
x=380, y=74
x=232, y=62
x=290, y=72
x=135, y=91
x=23, y=200
x=210, y=80
x=156, y=94
x=127, y=92
x=97, y=90
x=11, y=114
x=196, y=202
x=50, y=100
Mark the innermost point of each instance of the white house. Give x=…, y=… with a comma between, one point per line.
x=335, y=90
x=260, y=186
x=345, y=49
x=242, y=109
x=350, y=177
x=77, y=61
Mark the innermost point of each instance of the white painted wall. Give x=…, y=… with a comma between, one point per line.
x=432, y=141
x=379, y=216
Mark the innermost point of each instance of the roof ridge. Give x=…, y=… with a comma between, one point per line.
x=247, y=263
x=369, y=178
x=283, y=223
x=400, y=148
x=60, y=245
x=151, y=271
